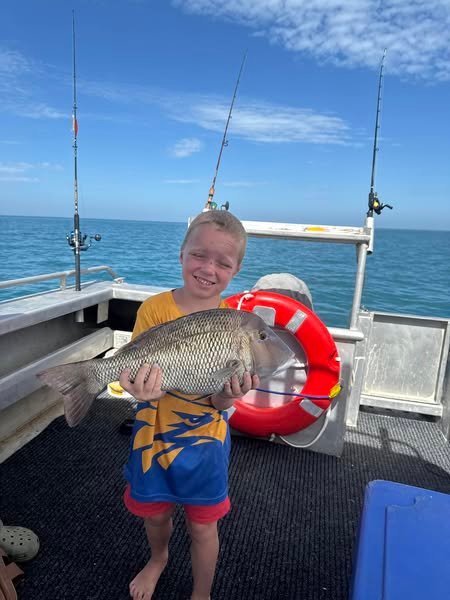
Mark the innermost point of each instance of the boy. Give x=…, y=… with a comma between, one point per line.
x=180, y=446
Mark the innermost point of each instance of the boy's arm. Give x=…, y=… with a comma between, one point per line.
x=233, y=390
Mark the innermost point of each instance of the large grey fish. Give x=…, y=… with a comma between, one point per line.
x=197, y=354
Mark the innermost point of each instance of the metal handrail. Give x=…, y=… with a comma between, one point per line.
x=61, y=275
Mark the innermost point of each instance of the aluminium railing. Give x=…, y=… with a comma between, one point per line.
x=61, y=275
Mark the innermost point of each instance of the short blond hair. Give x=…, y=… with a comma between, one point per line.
x=223, y=220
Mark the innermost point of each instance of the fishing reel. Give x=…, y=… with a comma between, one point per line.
x=84, y=240
x=375, y=204
x=210, y=205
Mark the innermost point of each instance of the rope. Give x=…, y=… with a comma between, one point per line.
x=294, y=394
x=310, y=396
x=245, y=296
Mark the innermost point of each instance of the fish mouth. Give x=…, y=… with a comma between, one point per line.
x=271, y=355
x=291, y=361
x=266, y=371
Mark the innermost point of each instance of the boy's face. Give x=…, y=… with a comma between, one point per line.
x=210, y=259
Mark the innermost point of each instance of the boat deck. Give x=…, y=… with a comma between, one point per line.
x=290, y=535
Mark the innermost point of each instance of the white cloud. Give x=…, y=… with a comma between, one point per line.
x=19, y=171
x=252, y=120
x=40, y=111
x=19, y=167
x=348, y=33
x=21, y=179
x=12, y=63
x=186, y=147
x=17, y=74
x=264, y=122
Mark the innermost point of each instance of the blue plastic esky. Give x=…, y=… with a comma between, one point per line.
x=155, y=80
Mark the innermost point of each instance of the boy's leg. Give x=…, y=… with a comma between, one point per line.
x=158, y=529
x=204, y=553
x=201, y=523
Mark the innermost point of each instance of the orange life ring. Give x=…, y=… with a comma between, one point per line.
x=323, y=368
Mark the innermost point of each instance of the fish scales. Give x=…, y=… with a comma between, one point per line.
x=188, y=350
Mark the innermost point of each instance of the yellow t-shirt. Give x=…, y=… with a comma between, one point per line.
x=156, y=310
x=180, y=446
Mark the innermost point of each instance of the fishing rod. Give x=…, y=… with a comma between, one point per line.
x=374, y=202
x=210, y=205
x=76, y=239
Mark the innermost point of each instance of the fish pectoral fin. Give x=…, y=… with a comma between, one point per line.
x=223, y=374
x=227, y=372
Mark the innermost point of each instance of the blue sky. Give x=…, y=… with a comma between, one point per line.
x=154, y=83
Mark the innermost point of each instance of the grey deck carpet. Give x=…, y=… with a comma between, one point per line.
x=290, y=535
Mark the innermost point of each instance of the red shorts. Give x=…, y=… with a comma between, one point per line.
x=195, y=513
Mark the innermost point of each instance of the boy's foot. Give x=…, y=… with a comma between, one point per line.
x=143, y=585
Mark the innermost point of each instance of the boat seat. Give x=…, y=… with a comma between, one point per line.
x=23, y=381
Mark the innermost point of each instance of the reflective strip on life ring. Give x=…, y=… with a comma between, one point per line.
x=323, y=366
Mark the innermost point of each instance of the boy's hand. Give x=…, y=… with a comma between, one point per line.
x=232, y=390
x=147, y=383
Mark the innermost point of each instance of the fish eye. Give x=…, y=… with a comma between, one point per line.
x=263, y=335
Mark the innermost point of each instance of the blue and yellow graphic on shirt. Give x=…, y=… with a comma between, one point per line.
x=179, y=452
x=188, y=428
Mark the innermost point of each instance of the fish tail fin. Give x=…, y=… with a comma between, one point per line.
x=77, y=385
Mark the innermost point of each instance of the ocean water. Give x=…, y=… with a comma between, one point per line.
x=408, y=273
